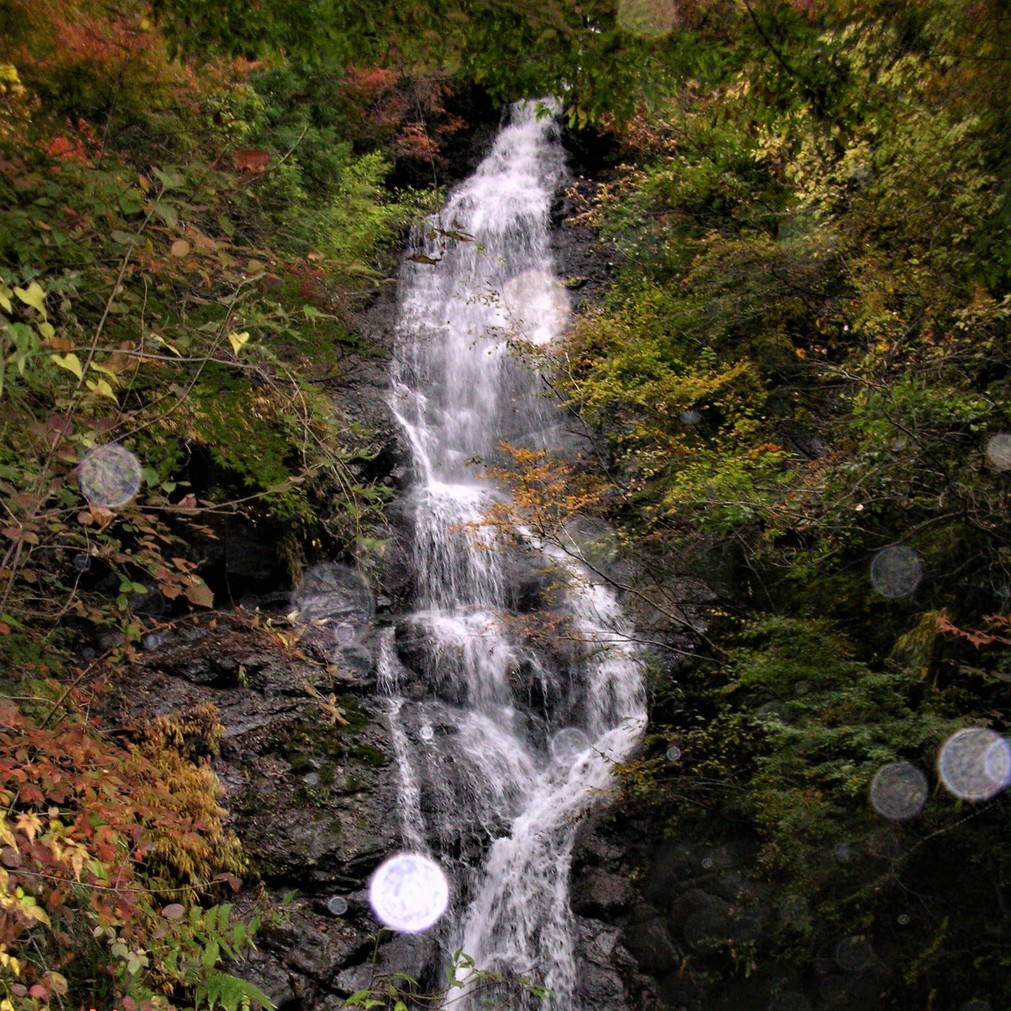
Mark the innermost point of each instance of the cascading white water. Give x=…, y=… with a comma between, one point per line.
x=514, y=737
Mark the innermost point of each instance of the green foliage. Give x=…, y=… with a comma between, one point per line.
x=802, y=359
x=826, y=723
x=177, y=277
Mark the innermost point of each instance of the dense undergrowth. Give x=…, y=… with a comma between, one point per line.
x=182, y=245
x=800, y=381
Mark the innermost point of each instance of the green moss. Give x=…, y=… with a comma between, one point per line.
x=369, y=755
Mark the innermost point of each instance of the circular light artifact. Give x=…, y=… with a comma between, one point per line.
x=975, y=763
x=337, y=905
x=409, y=892
x=673, y=753
x=842, y=852
x=109, y=475
x=998, y=450
x=898, y=791
x=568, y=744
x=853, y=953
x=426, y=733
x=896, y=571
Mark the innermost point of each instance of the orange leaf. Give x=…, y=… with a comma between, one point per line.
x=200, y=594
x=250, y=160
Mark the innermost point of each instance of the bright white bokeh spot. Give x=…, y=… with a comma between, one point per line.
x=426, y=733
x=898, y=791
x=409, y=892
x=568, y=744
x=853, y=953
x=337, y=905
x=896, y=571
x=649, y=19
x=998, y=762
x=109, y=475
x=537, y=304
x=975, y=763
x=998, y=450
x=673, y=753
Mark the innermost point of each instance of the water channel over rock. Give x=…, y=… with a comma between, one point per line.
x=504, y=736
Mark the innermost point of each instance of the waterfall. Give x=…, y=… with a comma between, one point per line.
x=512, y=737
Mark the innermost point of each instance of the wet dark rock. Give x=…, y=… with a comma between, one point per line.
x=601, y=984
x=600, y=893
x=313, y=800
x=645, y=936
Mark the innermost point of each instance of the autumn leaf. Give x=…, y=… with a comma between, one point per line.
x=199, y=593
x=237, y=340
x=70, y=362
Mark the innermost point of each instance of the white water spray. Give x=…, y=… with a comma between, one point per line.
x=514, y=740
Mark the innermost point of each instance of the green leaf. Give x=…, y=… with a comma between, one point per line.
x=167, y=213
x=131, y=202
x=171, y=179
x=211, y=954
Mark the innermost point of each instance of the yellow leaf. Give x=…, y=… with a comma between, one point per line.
x=104, y=368
x=29, y=823
x=34, y=296
x=101, y=387
x=5, y=298
x=238, y=339
x=70, y=362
